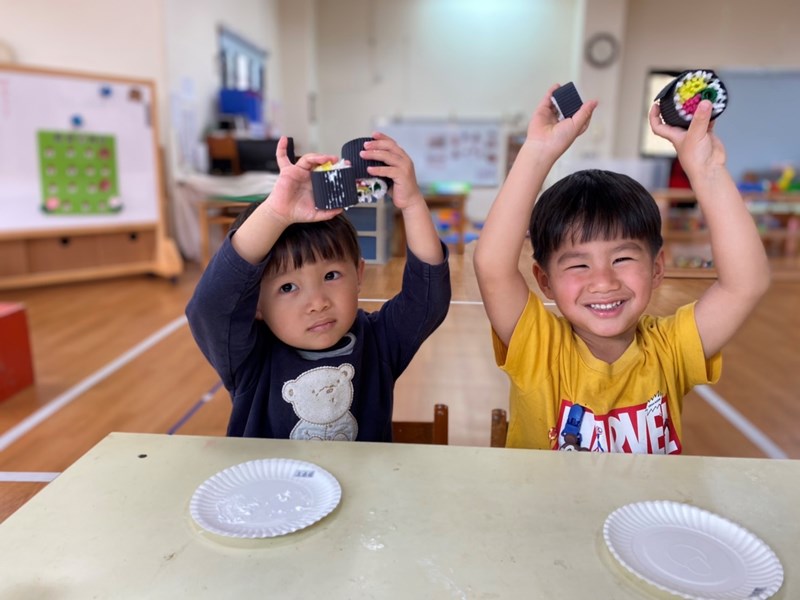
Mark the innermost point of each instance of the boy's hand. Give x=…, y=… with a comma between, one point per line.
x=399, y=168
x=551, y=135
x=292, y=198
x=698, y=148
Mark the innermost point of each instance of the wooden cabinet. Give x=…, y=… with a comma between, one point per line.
x=686, y=239
x=45, y=258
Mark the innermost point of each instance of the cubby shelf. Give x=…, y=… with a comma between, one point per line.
x=373, y=222
x=776, y=214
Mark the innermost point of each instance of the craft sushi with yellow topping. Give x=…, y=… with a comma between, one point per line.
x=680, y=99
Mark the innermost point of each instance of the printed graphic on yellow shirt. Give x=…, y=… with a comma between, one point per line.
x=641, y=429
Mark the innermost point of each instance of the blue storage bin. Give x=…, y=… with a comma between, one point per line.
x=241, y=102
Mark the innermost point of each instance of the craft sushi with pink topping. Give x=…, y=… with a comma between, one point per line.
x=679, y=100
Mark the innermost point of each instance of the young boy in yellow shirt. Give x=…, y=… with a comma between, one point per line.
x=604, y=376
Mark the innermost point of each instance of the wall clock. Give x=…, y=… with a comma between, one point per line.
x=601, y=50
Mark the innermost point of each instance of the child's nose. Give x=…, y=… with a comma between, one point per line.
x=604, y=279
x=318, y=300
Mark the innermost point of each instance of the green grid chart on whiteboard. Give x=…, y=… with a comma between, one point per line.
x=78, y=173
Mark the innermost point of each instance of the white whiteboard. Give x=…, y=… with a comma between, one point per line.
x=34, y=101
x=451, y=150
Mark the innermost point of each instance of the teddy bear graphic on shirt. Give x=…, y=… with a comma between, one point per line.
x=321, y=398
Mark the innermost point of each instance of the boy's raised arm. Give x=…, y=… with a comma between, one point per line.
x=421, y=234
x=739, y=258
x=502, y=285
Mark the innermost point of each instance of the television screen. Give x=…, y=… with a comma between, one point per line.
x=650, y=145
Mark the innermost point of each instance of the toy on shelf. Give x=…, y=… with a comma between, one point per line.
x=779, y=180
x=679, y=99
x=348, y=182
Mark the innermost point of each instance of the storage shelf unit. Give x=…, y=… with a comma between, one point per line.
x=374, y=222
x=687, y=242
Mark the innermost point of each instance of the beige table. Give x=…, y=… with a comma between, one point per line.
x=414, y=522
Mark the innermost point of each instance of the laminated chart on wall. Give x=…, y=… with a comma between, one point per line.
x=76, y=151
x=451, y=150
x=78, y=173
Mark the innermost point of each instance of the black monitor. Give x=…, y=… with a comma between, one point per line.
x=257, y=155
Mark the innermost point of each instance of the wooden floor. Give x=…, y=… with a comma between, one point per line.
x=78, y=332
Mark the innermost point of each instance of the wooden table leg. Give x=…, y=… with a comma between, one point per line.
x=462, y=222
x=205, y=253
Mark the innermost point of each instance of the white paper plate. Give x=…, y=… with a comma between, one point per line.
x=265, y=498
x=691, y=552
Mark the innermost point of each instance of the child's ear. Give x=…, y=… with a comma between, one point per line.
x=543, y=280
x=659, y=268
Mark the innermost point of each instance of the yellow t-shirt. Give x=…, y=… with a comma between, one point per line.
x=631, y=405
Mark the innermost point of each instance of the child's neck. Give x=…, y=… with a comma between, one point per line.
x=608, y=350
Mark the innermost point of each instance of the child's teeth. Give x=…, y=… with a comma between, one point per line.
x=606, y=306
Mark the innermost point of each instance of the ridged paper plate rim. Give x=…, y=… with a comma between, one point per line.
x=765, y=572
x=316, y=481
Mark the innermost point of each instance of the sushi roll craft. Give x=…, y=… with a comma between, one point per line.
x=334, y=185
x=348, y=182
x=679, y=100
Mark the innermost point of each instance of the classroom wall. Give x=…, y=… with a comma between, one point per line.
x=173, y=42
x=436, y=58
x=337, y=67
x=191, y=55
x=714, y=33
x=297, y=113
x=112, y=37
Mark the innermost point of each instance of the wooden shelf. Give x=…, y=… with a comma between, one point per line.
x=776, y=214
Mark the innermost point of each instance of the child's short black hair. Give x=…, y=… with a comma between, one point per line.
x=593, y=204
x=301, y=243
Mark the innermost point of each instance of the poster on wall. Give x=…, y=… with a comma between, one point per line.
x=75, y=152
x=449, y=150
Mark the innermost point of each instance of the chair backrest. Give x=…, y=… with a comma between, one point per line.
x=423, y=432
x=499, y=428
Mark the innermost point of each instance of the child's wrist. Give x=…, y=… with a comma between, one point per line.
x=708, y=176
x=539, y=153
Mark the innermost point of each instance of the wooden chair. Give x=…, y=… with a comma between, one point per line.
x=423, y=432
x=499, y=428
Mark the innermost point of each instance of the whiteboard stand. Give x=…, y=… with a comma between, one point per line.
x=81, y=182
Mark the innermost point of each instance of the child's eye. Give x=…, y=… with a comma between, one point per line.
x=622, y=259
x=287, y=287
x=570, y=267
x=331, y=275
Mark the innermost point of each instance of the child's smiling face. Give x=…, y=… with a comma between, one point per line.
x=602, y=287
x=314, y=306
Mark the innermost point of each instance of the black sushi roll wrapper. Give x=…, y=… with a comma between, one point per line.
x=350, y=152
x=567, y=100
x=335, y=188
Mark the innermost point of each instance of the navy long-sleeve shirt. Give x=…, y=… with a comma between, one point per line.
x=283, y=392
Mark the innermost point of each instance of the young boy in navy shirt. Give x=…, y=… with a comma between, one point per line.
x=276, y=310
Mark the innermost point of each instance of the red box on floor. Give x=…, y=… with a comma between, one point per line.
x=16, y=364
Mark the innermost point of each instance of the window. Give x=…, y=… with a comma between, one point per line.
x=242, y=63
